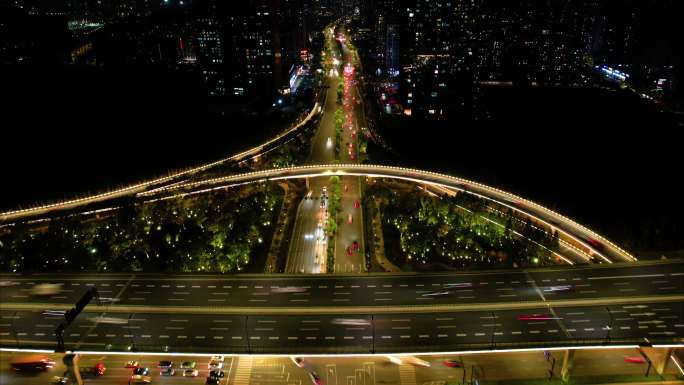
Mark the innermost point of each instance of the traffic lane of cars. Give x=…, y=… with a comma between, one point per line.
x=405, y=290
x=486, y=287
x=612, y=281
x=116, y=372
x=355, y=333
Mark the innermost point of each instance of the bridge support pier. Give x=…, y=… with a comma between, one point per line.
x=660, y=358
x=568, y=361
x=71, y=362
x=661, y=364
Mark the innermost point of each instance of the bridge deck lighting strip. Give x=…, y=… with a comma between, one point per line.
x=318, y=310
x=342, y=355
x=376, y=171
x=141, y=186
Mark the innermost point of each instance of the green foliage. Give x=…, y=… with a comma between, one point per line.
x=215, y=232
x=461, y=231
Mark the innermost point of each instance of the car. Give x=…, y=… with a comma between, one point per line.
x=167, y=372
x=355, y=245
x=131, y=365
x=188, y=365
x=96, y=370
x=557, y=289
x=213, y=381
x=315, y=379
x=594, y=243
x=8, y=283
x=437, y=293
x=415, y=361
x=350, y=219
x=299, y=361
x=325, y=190
x=139, y=379
x=453, y=363
x=57, y=380
x=288, y=289
x=217, y=373
x=44, y=289
x=190, y=373
x=459, y=285
x=395, y=360
x=351, y=321
x=535, y=317
x=357, y=204
x=635, y=360
x=165, y=364
x=140, y=371
x=217, y=358
x=215, y=365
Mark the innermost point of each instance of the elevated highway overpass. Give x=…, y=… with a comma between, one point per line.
x=583, y=240
x=582, y=243
x=635, y=303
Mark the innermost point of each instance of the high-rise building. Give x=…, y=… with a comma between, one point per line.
x=210, y=54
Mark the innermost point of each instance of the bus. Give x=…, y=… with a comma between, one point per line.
x=32, y=363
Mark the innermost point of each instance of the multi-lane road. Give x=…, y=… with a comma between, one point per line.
x=352, y=370
x=386, y=313
x=307, y=253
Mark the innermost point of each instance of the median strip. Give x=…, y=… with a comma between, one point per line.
x=294, y=310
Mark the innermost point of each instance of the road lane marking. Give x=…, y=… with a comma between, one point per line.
x=627, y=276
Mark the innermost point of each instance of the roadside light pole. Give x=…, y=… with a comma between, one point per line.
x=610, y=324
x=129, y=324
x=249, y=347
x=14, y=329
x=373, y=331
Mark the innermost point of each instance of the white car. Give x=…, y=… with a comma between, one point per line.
x=218, y=358
x=288, y=289
x=351, y=321
x=190, y=373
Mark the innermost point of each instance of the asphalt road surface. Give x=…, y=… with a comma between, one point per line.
x=375, y=370
x=348, y=259
x=151, y=325
x=306, y=254
x=639, y=279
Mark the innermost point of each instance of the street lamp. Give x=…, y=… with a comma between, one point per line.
x=610, y=324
